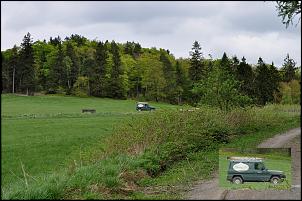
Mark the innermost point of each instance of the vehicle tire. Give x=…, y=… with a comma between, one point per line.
x=275, y=180
x=237, y=180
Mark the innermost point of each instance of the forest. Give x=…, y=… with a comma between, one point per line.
x=82, y=67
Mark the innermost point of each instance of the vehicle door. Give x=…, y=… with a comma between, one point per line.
x=260, y=172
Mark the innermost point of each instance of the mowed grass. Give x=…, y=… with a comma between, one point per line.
x=44, y=133
x=13, y=105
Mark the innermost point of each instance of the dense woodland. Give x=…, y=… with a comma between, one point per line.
x=82, y=67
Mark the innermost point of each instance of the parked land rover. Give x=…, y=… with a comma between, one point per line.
x=144, y=106
x=243, y=169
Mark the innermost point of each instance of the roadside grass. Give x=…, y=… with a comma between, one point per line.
x=159, y=155
x=272, y=162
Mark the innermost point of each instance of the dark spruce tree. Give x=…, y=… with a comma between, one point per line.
x=27, y=75
x=266, y=82
x=288, y=68
x=244, y=73
x=98, y=81
x=137, y=50
x=117, y=88
x=225, y=63
x=196, y=65
x=274, y=79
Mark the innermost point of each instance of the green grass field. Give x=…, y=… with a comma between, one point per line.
x=44, y=133
x=70, y=155
x=272, y=162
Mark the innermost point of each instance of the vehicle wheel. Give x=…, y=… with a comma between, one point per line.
x=237, y=180
x=275, y=180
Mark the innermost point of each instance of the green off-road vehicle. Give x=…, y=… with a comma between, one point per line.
x=243, y=169
x=144, y=106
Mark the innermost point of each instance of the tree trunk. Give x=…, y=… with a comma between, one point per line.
x=27, y=91
x=14, y=80
x=137, y=88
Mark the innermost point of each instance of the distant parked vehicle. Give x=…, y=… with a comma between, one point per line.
x=242, y=169
x=144, y=106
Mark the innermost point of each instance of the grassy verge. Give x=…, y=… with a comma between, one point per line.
x=157, y=156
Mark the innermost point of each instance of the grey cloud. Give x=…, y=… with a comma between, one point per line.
x=80, y=13
x=219, y=26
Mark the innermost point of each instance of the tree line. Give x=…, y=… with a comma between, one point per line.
x=82, y=67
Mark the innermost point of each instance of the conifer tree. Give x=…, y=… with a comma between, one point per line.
x=289, y=69
x=27, y=78
x=196, y=65
x=117, y=87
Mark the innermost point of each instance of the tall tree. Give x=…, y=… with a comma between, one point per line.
x=27, y=79
x=117, y=85
x=137, y=50
x=266, y=82
x=181, y=82
x=244, y=73
x=169, y=75
x=196, y=68
x=74, y=66
x=225, y=63
x=289, y=69
x=98, y=81
x=57, y=71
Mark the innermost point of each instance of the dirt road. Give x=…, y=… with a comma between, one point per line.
x=210, y=190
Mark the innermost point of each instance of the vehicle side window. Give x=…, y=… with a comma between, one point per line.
x=258, y=166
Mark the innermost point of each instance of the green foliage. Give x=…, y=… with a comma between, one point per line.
x=288, y=10
x=290, y=92
x=118, y=80
x=181, y=82
x=169, y=75
x=220, y=89
x=266, y=82
x=153, y=81
x=196, y=70
x=245, y=75
x=288, y=69
x=27, y=78
x=127, y=70
x=81, y=87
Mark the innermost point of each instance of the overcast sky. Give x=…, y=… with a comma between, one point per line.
x=250, y=29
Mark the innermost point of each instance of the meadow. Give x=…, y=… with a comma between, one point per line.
x=118, y=152
x=44, y=133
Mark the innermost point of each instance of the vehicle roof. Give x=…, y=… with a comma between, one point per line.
x=142, y=103
x=245, y=159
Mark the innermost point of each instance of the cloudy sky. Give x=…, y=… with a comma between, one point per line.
x=249, y=29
